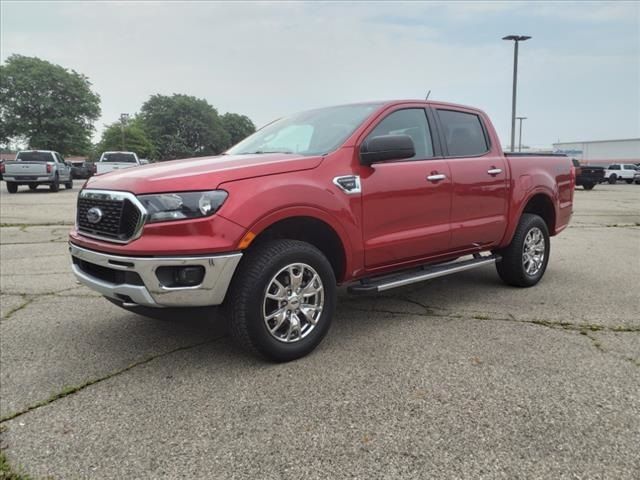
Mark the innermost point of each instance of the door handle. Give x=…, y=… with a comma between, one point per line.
x=436, y=177
x=494, y=171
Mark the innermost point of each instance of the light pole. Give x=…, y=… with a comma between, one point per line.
x=124, y=117
x=516, y=39
x=520, y=135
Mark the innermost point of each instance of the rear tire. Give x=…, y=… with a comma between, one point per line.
x=55, y=185
x=12, y=187
x=613, y=179
x=520, y=265
x=629, y=181
x=588, y=186
x=286, y=276
x=69, y=185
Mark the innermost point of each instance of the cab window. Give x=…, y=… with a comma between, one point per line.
x=412, y=122
x=463, y=133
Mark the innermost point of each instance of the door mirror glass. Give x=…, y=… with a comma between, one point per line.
x=386, y=147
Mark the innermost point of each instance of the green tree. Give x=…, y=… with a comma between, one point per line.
x=237, y=126
x=51, y=107
x=181, y=126
x=135, y=139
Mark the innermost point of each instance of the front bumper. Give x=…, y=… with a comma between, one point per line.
x=133, y=280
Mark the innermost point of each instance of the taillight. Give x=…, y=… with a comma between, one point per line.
x=2, y=167
x=48, y=168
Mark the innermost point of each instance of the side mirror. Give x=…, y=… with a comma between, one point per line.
x=386, y=147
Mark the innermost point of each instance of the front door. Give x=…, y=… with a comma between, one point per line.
x=406, y=203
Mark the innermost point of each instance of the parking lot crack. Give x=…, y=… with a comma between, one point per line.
x=25, y=303
x=71, y=390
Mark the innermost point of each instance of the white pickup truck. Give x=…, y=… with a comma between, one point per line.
x=37, y=167
x=110, y=161
x=622, y=171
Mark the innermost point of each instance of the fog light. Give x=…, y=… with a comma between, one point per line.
x=189, y=276
x=173, y=277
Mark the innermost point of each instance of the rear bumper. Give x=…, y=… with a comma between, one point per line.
x=27, y=179
x=133, y=280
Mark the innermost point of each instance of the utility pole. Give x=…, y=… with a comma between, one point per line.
x=520, y=135
x=124, y=118
x=516, y=39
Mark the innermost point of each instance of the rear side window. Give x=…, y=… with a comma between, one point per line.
x=614, y=167
x=463, y=133
x=412, y=122
x=34, y=157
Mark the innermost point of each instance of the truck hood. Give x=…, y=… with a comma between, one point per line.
x=202, y=173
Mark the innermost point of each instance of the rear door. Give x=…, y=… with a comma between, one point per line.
x=406, y=203
x=64, y=170
x=479, y=175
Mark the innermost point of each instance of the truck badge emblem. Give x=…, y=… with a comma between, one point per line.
x=349, y=184
x=94, y=215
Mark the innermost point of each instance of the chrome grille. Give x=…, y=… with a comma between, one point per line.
x=121, y=217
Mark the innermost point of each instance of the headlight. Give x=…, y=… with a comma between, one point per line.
x=164, y=207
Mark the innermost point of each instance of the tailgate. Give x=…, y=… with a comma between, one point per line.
x=25, y=169
x=592, y=172
x=104, y=167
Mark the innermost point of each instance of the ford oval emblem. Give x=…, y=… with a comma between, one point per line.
x=94, y=215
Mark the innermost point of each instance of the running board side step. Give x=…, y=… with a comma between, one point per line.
x=387, y=282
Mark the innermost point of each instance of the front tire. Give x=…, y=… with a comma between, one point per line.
x=588, y=186
x=525, y=260
x=12, y=187
x=629, y=181
x=69, y=185
x=613, y=179
x=282, y=300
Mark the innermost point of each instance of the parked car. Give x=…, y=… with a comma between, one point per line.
x=588, y=175
x=82, y=169
x=37, y=167
x=373, y=195
x=622, y=171
x=110, y=161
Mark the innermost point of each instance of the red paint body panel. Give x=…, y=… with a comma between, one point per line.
x=400, y=219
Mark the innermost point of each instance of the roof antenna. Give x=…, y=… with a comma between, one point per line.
x=428, y=93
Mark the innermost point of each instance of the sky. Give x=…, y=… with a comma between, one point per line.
x=578, y=77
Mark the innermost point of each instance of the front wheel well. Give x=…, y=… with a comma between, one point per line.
x=313, y=231
x=541, y=205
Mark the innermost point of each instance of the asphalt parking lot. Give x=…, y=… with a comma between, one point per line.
x=461, y=377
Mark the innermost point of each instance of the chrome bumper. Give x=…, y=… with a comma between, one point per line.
x=218, y=269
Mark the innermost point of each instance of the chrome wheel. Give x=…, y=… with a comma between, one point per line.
x=533, y=251
x=293, y=302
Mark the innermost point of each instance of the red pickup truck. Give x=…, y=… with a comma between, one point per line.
x=371, y=195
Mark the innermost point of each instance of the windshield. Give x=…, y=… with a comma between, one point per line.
x=119, y=157
x=34, y=157
x=314, y=132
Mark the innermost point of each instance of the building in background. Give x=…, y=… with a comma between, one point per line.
x=601, y=152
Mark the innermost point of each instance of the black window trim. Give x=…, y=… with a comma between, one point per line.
x=433, y=133
x=443, y=140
